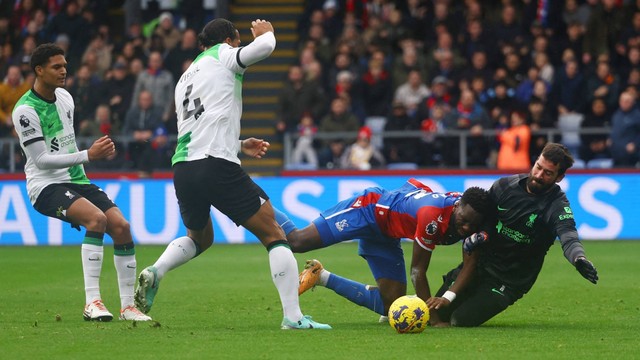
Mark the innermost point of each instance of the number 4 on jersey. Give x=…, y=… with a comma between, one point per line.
x=198, y=107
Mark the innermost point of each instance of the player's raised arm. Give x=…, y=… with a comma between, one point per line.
x=261, y=47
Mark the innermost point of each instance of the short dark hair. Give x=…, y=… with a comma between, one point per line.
x=43, y=53
x=478, y=199
x=216, y=31
x=558, y=154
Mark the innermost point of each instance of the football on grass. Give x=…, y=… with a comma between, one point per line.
x=408, y=314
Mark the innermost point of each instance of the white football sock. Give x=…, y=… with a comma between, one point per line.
x=324, y=277
x=92, y=256
x=284, y=272
x=126, y=269
x=178, y=252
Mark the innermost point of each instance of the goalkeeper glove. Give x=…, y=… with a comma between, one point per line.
x=474, y=240
x=586, y=269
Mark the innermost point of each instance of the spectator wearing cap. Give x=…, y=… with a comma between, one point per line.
x=166, y=32
x=332, y=19
x=439, y=96
x=362, y=155
x=341, y=62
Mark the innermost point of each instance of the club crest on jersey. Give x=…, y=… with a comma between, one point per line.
x=432, y=228
x=340, y=225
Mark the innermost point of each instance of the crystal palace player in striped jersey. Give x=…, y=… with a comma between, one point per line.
x=379, y=218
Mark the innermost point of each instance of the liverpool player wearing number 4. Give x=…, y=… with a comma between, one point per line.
x=58, y=186
x=207, y=170
x=532, y=211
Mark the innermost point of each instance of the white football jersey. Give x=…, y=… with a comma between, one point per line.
x=209, y=106
x=209, y=100
x=36, y=119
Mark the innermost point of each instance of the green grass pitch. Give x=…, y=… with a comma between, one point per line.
x=223, y=305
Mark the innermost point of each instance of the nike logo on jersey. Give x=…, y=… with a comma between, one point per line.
x=440, y=218
x=501, y=208
x=499, y=291
x=358, y=203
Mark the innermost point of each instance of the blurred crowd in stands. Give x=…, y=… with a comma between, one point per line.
x=123, y=60
x=366, y=67
x=513, y=67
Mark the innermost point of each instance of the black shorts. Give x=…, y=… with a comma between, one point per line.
x=483, y=299
x=215, y=182
x=55, y=199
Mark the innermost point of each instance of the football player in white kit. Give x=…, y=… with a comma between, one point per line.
x=58, y=186
x=207, y=169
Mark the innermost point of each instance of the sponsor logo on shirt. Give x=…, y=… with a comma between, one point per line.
x=512, y=234
x=567, y=215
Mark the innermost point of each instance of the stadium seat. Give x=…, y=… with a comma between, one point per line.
x=402, y=166
x=569, y=126
x=376, y=124
x=579, y=164
x=300, y=166
x=600, y=164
